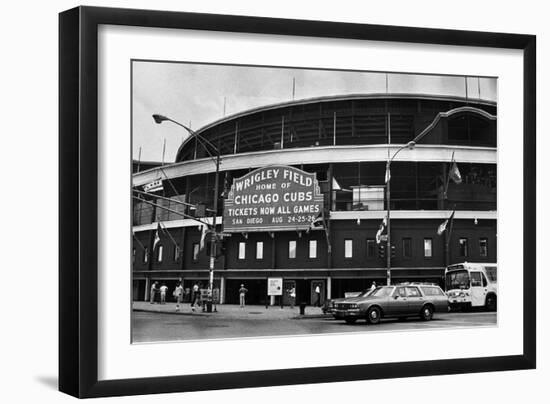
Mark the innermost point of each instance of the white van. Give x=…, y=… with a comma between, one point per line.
x=472, y=284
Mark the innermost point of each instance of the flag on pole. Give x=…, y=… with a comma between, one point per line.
x=454, y=173
x=388, y=175
x=157, y=237
x=327, y=234
x=316, y=223
x=204, y=230
x=443, y=226
x=335, y=185
x=167, y=234
x=381, y=230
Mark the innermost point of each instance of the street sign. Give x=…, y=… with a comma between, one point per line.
x=274, y=286
x=274, y=198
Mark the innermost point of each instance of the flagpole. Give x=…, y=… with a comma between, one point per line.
x=448, y=177
x=448, y=234
x=139, y=242
x=163, y=150
x=139, y=159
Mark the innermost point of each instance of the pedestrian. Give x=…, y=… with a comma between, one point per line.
x=196, y=294
x=242, y=294
x=373, y=286
x=178, y=294
x=163, y=290
x=318, y=295
x=292, y=294
x=154, y=290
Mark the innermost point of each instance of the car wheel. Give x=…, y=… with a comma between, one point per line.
x=491, y=303
x=350, y=320
x=373, y=315
x=427, y=313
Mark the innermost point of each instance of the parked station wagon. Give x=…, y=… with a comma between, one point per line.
x=403, y=300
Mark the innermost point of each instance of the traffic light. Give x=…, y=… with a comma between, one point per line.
x=200, y=210
x=382, y=251
x=220, y=250
x=393, y=251
x=226, y=185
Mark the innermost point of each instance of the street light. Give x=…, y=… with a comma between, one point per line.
x=161, y=118
x=410, y=146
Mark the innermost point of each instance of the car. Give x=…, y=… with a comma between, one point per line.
x=330, y=304
x=399, y=301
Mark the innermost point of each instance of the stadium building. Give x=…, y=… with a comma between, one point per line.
x=344, y=144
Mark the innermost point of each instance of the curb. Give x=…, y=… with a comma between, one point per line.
x=311, y=316
x=179, y=313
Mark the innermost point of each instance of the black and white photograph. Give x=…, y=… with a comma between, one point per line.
x=276, y=201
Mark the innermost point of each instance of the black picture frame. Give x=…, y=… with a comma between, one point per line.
x=78, y=206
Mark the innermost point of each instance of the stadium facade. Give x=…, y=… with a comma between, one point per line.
x=345, y=142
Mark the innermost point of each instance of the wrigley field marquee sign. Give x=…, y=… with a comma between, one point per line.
x=274, y=198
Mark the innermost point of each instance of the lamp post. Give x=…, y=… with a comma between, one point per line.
x=161, y=118
x=410, y=146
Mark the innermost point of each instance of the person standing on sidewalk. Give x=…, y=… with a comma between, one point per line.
x=178, y=294
x=317, y=296
x=242, y=294
x=154, y=289
x=163, y=290
x=196, y=294
x=292, y=294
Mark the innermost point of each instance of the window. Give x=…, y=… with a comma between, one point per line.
x=159, y=253
x=260, y=250
x=196, y=249
x=242, y=250
x=407, y=247
x=484, y=279
x=292, y=249
x=312, y=248
x=432, y=291
x=368, y=197
x=427, y=248
x=413, y=292
x=463, y=245
x=348, y=248
x=491, y=273
x=145, y=255
x=400, y=292
x=483, y=246
x=475, y=278
x=371, y=248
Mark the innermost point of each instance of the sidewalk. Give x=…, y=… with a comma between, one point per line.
x=233, y=311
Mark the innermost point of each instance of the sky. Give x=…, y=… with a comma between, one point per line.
x=197, y=94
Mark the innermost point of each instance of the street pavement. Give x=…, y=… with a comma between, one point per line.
x=155, y=322
x=229, y=311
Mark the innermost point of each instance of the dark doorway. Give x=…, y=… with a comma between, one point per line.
x=288, y=285
x=317, y=292
x=138, y=290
